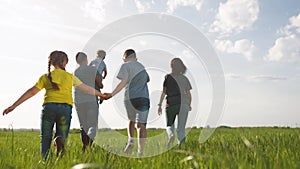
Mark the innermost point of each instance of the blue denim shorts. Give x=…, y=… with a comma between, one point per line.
x=138, y=109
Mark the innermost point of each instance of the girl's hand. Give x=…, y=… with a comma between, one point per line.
x=159, y=110
x=9, y=109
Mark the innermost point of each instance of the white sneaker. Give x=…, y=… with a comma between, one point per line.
x=128, y=148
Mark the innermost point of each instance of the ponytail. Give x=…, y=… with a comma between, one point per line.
x=56, y=58
x=54, y=85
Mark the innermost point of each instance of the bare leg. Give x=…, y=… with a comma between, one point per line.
x=142, y=135
x=130, y=129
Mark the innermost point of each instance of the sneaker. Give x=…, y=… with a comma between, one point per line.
x=171, y=141
x=140, y=154
x=180, y=143
x=59, y=145
x=128, y=148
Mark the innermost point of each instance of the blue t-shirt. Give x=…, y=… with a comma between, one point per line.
x=100, y=65
x=137, y=77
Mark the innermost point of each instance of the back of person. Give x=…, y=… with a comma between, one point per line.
x=87, y=75
x=176, y=89
x=137, y=78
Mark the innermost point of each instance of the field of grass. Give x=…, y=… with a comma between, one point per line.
x=226, y=148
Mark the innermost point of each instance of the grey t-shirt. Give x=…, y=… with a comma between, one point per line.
x=136, y=76
x=87, y=75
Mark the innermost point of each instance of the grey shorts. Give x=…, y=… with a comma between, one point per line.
x=138, y=109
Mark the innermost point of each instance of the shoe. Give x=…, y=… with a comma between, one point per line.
x=128, y=148
x=140, y=154
x=180, y=143
x=85, y=141
x=59, y=145
x=171, y=141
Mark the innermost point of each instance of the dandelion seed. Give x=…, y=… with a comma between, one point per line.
x=247, y=142
x=87, y=165
x=188, y=158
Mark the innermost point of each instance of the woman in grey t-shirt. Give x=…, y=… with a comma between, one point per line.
x=177, y=88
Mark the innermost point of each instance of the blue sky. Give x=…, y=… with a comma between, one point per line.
x=257, y=42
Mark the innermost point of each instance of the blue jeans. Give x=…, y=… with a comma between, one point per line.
x=59, y=114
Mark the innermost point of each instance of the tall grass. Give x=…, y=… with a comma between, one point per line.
x=226, y=148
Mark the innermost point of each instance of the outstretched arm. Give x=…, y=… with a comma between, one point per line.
x=119, y=87
x=89, y=90
x=28, y=94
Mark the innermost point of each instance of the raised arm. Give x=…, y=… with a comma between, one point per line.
x=28, y=94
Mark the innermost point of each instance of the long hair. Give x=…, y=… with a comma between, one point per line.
x=56, y=58
x=178, y=66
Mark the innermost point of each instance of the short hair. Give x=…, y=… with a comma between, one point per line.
x=101, y=53
x=129, y=53
x=80, y=57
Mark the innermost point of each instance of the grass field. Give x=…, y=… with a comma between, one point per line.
x=226, y=148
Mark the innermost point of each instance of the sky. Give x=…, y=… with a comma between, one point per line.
x=256, y=42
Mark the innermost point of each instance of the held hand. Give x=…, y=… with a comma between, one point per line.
x=107, y=96
x=159, y=110
x=9, y=109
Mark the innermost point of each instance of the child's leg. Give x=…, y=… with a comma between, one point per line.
x=130, y=129
x=63, y=121
x=47, y=123
x=142, y=106
x=142, y=135
x=92, y=119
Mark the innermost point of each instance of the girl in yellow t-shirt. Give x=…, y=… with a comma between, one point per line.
x=58, y=101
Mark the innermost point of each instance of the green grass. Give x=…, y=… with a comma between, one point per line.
x=226, y=148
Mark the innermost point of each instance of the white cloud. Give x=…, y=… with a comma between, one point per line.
x=232, y=76
x=266, y=78
x=173, y=4
x=235, y=16
x=244, y=47
x=95, y=9
x=254, y=78
x=142, y=6
x=295, y=22
x=188, y=54
x=292, y=28
x=285, y=48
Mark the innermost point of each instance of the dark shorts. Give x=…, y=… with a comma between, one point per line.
x=138, y=109
x=173, y=111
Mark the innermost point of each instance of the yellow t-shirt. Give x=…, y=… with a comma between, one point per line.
x=65, y=82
